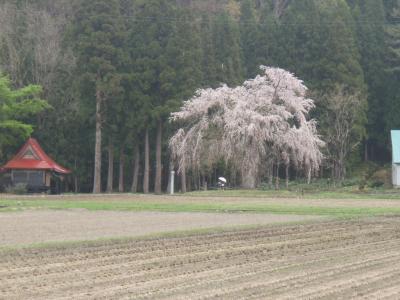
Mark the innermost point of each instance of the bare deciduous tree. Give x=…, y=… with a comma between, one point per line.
x=280, y=6
x=343, y=131
x=31, y=40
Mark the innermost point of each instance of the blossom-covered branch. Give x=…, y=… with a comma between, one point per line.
x=265, y=119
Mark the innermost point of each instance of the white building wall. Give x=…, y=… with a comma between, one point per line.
x=396, y=175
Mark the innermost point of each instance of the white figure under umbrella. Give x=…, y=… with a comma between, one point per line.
x=222, y=182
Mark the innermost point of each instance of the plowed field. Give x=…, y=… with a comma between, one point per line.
x=322, y=260
x=33, y=227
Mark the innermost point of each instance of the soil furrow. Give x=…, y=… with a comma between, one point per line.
x=294, y=277
x=240, y=271
x=327, y=260
x=181, y=261
x=381, y=287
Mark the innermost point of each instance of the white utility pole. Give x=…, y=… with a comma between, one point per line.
x=172, y=182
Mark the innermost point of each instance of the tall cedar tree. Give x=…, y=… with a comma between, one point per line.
x=98, y=30
x=118, y=127
x=370, y=19
x=208, y=58
x=250, y=38
x=342, y=61
x=392, y=104
x=151, y=73
x=165, y=44
x=183, y=51
x=226, y=35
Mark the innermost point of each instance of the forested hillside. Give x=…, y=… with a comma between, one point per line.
x=114, y=70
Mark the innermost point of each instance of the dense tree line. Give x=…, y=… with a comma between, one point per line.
x=113, y=71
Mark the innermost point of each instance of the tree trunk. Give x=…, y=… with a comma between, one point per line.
x=372, y=154
x=189, y=183
x=195, y=181
x=287, y=176
x=248, y=179
x=121, y=170
x=308, y=175
x=200, y=181
x=157, y=183
x=277, y=177
x=110, y=175
x=340, y=168
x=205, y=187
x=183, y=179
x=271, y=176
x=333, y=172
x=136, y=170
x=146, y=163
x=76, y=186
x=97, y=155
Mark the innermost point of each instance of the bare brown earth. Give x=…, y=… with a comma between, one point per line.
x=356, y=259
x=32, y=227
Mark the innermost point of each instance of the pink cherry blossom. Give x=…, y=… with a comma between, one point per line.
x=251, y=127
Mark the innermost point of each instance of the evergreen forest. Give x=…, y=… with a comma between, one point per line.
x=96, y=81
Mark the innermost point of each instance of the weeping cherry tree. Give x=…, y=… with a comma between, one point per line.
x=253, y=127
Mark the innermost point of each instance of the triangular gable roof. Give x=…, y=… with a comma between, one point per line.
x=32, y=157
x=396, y=146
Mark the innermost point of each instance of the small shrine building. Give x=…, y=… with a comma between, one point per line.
x=34, y=168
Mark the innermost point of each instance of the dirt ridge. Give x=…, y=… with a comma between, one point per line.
x=323, y=260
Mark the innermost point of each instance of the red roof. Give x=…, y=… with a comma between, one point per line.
x=32, y=157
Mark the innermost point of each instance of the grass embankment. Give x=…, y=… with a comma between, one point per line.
x=9, y=205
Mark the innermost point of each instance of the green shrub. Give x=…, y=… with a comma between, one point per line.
x=18, y=189
x=380, y=178
x=265, y=186
x=351, y=182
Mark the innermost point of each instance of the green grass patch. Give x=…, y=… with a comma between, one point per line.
x=211, y=207
x=378, y=194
